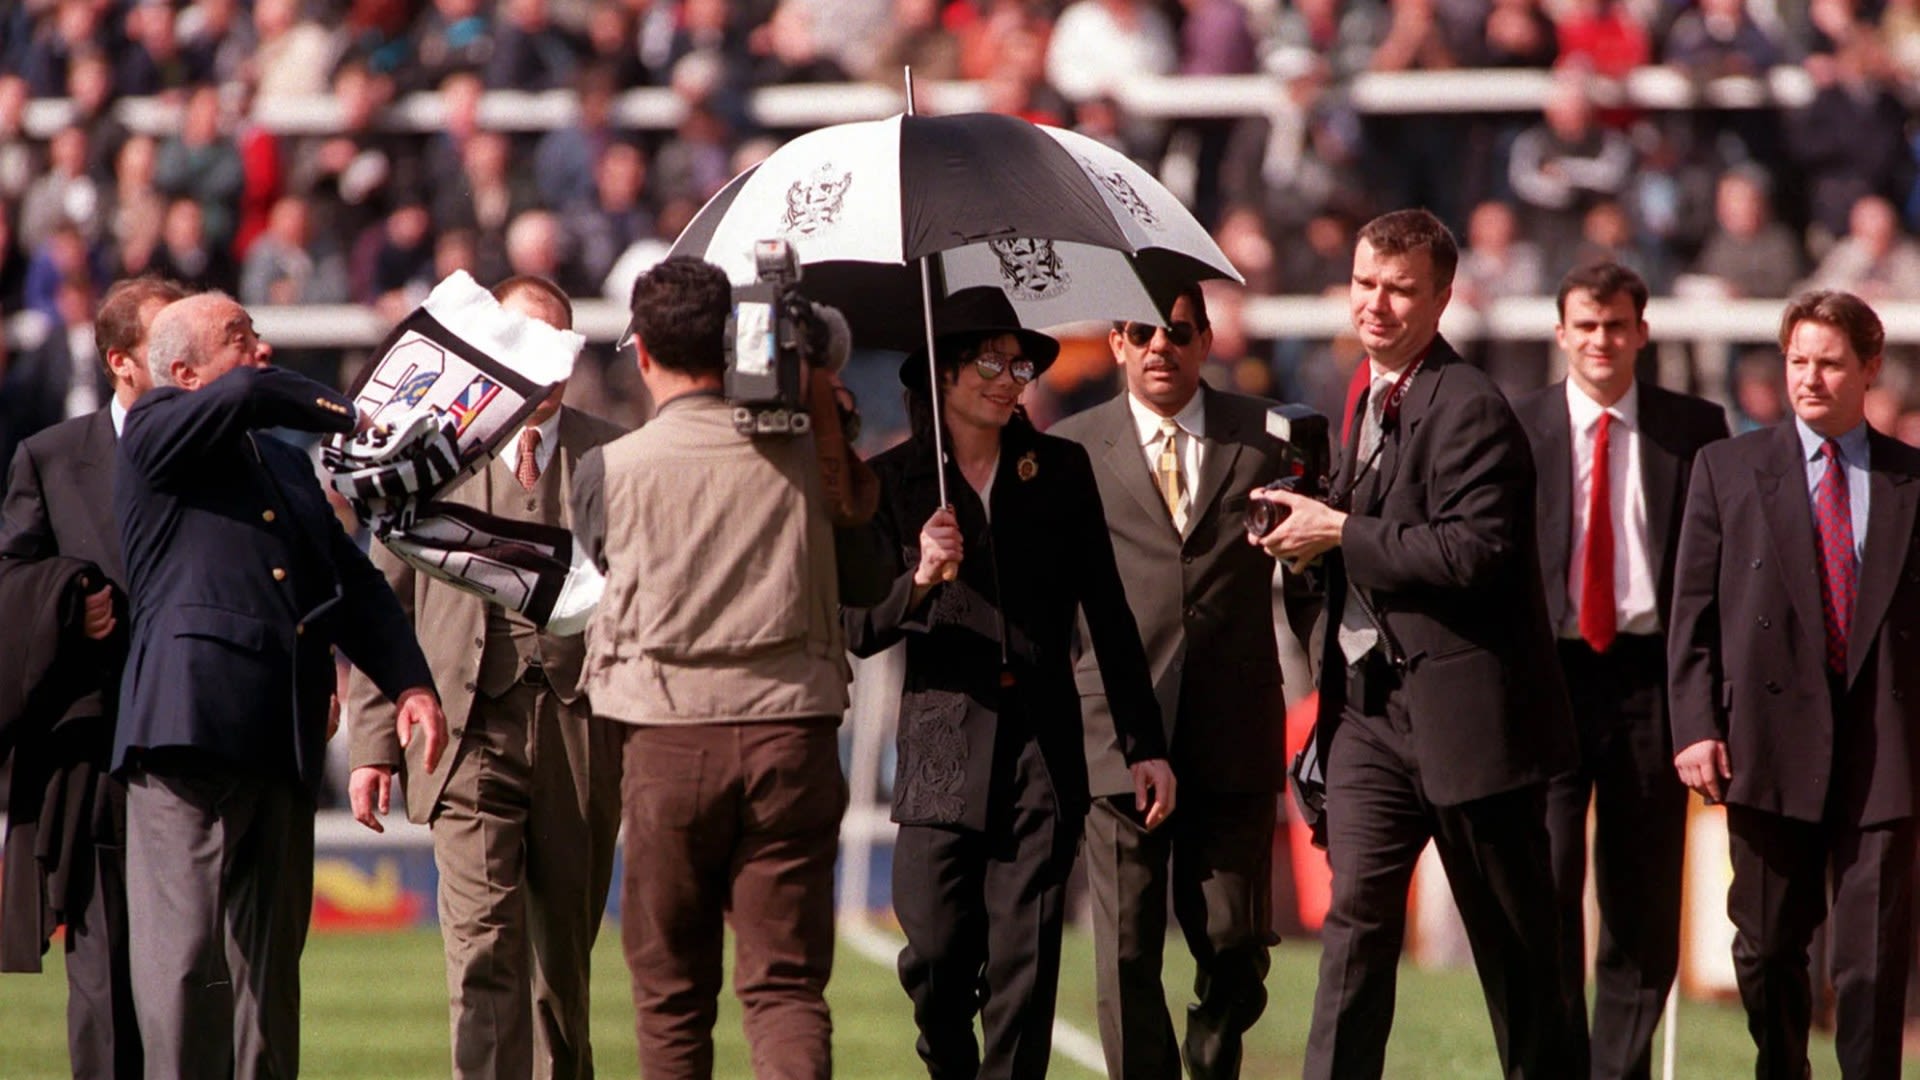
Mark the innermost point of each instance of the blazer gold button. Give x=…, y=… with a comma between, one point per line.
x=299, y=629
x=279, y=574
x=266, y=516
x=1766, y=623
x=469, y=687
x=1756, y=564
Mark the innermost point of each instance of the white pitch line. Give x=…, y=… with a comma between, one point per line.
x=1068, y=1041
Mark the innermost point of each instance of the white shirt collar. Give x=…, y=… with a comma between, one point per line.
x=1192, y=418
x=117, y=413
x=1585, y=412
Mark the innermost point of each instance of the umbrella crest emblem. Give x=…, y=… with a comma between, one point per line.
x=1031, y=268
x=1125, y=194
x=814, y=202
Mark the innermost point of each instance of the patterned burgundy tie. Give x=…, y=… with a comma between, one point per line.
x=1597, y=621
x=1834, y=511
x=527, y=469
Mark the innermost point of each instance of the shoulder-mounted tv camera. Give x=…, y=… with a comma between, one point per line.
x=1306, y=452
x=771, y=333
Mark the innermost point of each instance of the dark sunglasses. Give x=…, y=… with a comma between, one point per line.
x=1181, y=334
x=990, y=364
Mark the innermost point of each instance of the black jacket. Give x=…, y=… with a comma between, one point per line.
x=990, y=654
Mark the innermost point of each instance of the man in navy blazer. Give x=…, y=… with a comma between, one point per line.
x=242, y=582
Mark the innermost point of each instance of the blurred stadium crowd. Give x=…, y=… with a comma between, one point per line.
x=1748, y=202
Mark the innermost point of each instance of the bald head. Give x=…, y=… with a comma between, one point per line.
x=196, y=340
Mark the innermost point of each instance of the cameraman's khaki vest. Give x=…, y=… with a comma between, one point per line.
x=722, y=601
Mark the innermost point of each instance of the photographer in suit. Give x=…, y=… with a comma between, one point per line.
x=1174, y=460
x=1795, y=664
x=1613, y=455
x=1442, y=712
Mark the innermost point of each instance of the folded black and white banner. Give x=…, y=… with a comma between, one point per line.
x=446, y=390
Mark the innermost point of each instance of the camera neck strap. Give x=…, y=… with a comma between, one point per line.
x=1389, y=422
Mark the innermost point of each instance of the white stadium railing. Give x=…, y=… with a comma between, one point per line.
x=1167, y=97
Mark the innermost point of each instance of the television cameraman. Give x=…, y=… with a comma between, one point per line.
x=718, y=645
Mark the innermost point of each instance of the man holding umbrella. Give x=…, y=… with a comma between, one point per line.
x=992, y=781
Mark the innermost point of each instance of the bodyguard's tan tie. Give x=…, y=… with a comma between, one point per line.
x=1173, y=485
x=527, y=469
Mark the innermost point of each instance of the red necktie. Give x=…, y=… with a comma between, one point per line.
x=527, y=469
x=1596, y=571
x=1833, y=508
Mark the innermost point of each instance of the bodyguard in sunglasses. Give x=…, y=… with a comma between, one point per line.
x=1174, y=460
x=992, y=779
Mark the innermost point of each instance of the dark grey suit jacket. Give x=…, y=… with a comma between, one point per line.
x=1203, y=599
x=1746, y=651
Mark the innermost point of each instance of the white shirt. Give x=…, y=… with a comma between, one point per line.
x=1192, y=421
x=549, y=430
x=117, y=413
x=1635, y=607
x=83, y=382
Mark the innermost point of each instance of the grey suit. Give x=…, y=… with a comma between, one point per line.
x=1203, y=599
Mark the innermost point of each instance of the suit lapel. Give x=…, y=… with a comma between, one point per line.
x=1782, y=483
x=1890, y=515
x=93, y=475
x=1223, y=443
x=1660, y=468
x=1413, y=411
x=1556, y=504
x=1124, y=458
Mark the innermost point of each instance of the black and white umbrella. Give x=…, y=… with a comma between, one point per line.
x=1065, y=227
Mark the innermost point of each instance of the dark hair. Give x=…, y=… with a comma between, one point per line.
x=680, y=310
x=1844, y=312
x=950, y=351
x=1196, y=299
x=1605, y=279
x=534, y=283
x=116, y=325
x=1402, y=231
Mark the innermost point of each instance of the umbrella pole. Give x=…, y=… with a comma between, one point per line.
x=933, y=370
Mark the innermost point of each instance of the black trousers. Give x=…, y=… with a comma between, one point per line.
x=1216, y=852
x=983, y=912
x=1495, y=853
x=1781, y=873
x=1639, y=841
x=103, y=1034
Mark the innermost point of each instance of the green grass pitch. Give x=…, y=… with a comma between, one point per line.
x=375, y=1009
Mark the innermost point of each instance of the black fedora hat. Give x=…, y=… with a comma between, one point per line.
x=979, y=312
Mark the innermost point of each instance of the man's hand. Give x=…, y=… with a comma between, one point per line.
x=419, y=707
x=1703, y=765
x=100, y=621
x=1310, y=529
x=940, y=549
x=1156, y=776
x=370, y=793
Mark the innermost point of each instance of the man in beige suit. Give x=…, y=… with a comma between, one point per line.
x=525, y=807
